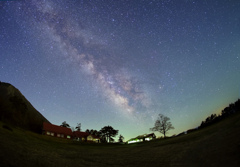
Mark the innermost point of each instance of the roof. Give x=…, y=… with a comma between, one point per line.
x=95, y=137
x=57, y=129
x=143, y=136
x=83, y=134
x=80, y=134
x=152, y=134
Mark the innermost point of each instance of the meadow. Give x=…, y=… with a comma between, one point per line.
x=216, y=145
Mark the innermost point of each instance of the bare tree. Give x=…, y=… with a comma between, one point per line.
x=78, y=127
x=162, y=125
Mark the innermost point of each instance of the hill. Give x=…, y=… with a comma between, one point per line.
x=216, y=145
x=16, y=110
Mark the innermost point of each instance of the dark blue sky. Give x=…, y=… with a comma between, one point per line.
x=121, y=63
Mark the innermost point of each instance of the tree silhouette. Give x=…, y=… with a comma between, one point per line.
x=162, y=125
x=94, y=132
x=121, y=138
x=108, y=132
x=78, y=127
x=65, y=124
x=111, y=140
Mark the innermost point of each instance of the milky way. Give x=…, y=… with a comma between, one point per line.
x=89, y=54
x=122, y=62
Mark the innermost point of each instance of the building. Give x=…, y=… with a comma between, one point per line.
x=56, y=131
x=84, y=136
x=142, y=138
x=63, y=132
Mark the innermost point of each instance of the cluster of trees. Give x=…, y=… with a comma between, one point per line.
x=226, y=112
x=107, y=133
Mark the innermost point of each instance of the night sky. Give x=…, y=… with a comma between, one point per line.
x=122, y=62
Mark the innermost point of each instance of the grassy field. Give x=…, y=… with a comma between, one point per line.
x=217, y=145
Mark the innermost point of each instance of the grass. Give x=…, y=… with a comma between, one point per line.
x=217, y=145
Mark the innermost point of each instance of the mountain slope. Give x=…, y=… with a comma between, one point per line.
x=15, y=109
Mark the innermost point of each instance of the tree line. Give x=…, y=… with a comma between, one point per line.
x=226, y=112
x=162, y=124
x=106, y=134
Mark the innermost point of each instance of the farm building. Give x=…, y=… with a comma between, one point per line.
x=83, y=136
x=142, y=138
x=63, y=132
x=56, y=131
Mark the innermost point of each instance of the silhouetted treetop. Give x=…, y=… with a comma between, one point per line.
x=65, y=124
x=108, y=132
x=78, y=127
x=121, y=138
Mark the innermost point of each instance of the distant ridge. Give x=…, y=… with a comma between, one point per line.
x=16, y=110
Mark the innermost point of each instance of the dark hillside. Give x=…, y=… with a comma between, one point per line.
x=16, y=110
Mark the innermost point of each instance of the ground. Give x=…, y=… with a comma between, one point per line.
x=217, y=145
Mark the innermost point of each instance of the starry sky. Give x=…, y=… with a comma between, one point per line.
x=121, y=63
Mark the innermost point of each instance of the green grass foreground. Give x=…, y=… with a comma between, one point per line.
x=217, y=145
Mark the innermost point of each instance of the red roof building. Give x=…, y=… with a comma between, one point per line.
x=57, y=131
x=80, y=136
x=84, y=136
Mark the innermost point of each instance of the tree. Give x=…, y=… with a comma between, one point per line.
x=111, y=140
x=108, y=132
x=94, y=132
x=102, y=136
x=162, y=125
x=65, y=124
x=78, y=127
x=121, y=138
